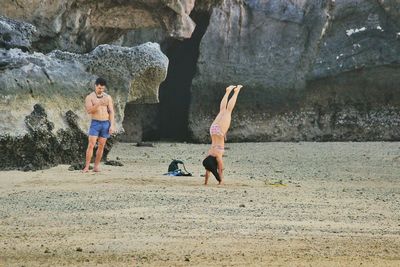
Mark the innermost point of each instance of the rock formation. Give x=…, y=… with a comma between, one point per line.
x=16, y=34
x=54, y=85
x=80, y=25
x=312, y=70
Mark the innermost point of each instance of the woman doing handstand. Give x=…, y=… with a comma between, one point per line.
x=213, y=162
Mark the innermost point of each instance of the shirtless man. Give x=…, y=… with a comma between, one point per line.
x=213, y=162
x=100, y=107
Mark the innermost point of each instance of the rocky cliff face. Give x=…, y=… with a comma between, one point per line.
x=312, y=70
x=80, y=25
x=43, y=122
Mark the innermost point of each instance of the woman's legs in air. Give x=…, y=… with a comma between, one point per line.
x=225, y=115
x=224, y=100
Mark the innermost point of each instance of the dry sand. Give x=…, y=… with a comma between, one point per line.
x=284, y=204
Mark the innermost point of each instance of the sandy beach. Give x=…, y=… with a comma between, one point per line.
x=283, y=204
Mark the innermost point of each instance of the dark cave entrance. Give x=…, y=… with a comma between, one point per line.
x=174, y=94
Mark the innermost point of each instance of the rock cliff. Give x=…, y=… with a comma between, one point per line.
x=42, y=95
x=312, y=70
x=81, y=25
x=321, y=70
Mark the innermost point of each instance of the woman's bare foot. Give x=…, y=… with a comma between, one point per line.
x=229, y=88
x=96, y=169
x=237, y=88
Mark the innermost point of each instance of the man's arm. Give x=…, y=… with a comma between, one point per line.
x=110, y=109
x=89, y=106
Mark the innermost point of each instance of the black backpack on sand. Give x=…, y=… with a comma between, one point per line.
x=174, y=170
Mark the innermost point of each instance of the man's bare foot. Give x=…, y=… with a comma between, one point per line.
x=96, y=168
x=86, y=169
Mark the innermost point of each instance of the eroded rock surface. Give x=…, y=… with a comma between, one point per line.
x=54, y=85
x=312, y=70
x=80, y=25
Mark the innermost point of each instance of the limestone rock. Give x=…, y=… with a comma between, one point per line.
x=268, y=46
x=16, y=34
x=56, y=85
x=311, y=70
x=140, y=120
x=80, y=26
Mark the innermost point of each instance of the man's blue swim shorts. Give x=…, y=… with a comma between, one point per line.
x=99, y=128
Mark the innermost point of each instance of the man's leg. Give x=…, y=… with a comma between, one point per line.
x=99, y=154
x=89, y=152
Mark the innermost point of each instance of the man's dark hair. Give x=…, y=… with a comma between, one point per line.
x=100, y=81
x=210, y=163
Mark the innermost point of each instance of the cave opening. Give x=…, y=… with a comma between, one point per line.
x=174, y=94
